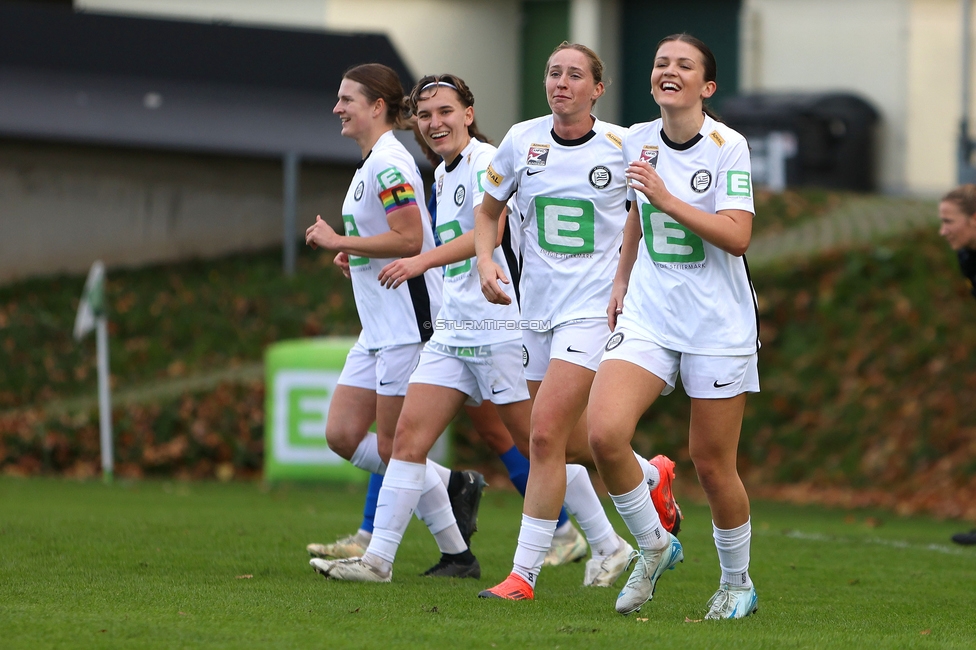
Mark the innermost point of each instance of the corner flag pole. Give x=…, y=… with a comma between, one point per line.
x=91, y=316
x=104, y=398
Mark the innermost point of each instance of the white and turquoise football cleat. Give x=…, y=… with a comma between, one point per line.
x=648, y=568
x=732, y=602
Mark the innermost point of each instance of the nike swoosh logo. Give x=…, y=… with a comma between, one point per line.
x=533, y=173
x=718, y=385
x=569, y=348
x=495, y=392
x=386, y=383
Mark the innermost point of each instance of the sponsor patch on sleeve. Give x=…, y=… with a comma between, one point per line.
x=615, y=139
x=716, y=138
x=739, y=183
x=494, y=177
x=398, y=196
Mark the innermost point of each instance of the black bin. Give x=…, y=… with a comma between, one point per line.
x=807, y=140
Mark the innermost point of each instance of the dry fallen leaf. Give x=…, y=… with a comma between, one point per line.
x=926, y=632
x=642, y=620
x=246, y=576
x=692, y=620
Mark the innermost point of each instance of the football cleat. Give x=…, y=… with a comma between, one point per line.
x=351, y=569
x=570, y=547
x=604, y=571
x=514, y=587
x=464, y=489
x=662, y=497
x=450, y=566
x=732, y=602
x=966, y=539
x=349, y=546
x=649, y=566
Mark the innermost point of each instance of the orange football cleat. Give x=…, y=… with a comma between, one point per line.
x=514, y=587
x=662, y=497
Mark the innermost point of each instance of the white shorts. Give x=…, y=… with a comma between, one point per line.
x=486, y=372
x=703, y=377
x=386, y=370
x=578, y=341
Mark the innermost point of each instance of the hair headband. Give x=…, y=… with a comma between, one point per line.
x=438, y=83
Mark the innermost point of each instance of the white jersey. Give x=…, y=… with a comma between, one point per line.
x=686, y=294
x=571, y=198
x=386, y=180
x=466, y=317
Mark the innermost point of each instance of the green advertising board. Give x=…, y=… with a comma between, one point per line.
x=300, y=378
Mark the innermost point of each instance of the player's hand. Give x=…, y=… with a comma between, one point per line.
x=321, y=234
x=645, y=179
x=399, y=271
x=491, y=274
x=616, y=306
x=342, y=261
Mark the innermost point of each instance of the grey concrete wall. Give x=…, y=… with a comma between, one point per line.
x=63, y=206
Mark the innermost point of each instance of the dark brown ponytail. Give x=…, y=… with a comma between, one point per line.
x=381, y=82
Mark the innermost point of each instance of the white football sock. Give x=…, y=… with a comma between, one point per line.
x=583, y=503
x=564, y=530
x=652, y=475
x=442, y=472
x=434, y=509
x=395, y=505
x=535, y=538
x=367, y=456
x=733, y=553
x=637, y=511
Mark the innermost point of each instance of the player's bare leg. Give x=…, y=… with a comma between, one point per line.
x=559, y=402
x=713, y=443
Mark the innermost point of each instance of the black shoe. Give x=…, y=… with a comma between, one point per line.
x=966, y=539
x=456, y=566
x=465, y=490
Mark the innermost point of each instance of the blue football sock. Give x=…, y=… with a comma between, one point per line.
x=518, y=473
x=372, y=495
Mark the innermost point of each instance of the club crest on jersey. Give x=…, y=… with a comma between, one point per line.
x=459, y=195
x=649, y=155
x=358, y=194
x=701, y=180
x=538, y=155
x=614, y=341
x=600, y=177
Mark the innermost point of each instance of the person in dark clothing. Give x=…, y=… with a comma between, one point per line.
x=957, y=215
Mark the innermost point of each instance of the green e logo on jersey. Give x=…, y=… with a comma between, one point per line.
x=667, y=240
x=349, y=223
x=446, y=232
x=565, y=225
x=390, y=177
x=738, y=183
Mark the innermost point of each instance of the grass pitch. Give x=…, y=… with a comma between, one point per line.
x=154, y=564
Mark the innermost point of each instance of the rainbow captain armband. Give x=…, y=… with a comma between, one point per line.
x=399, y=196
